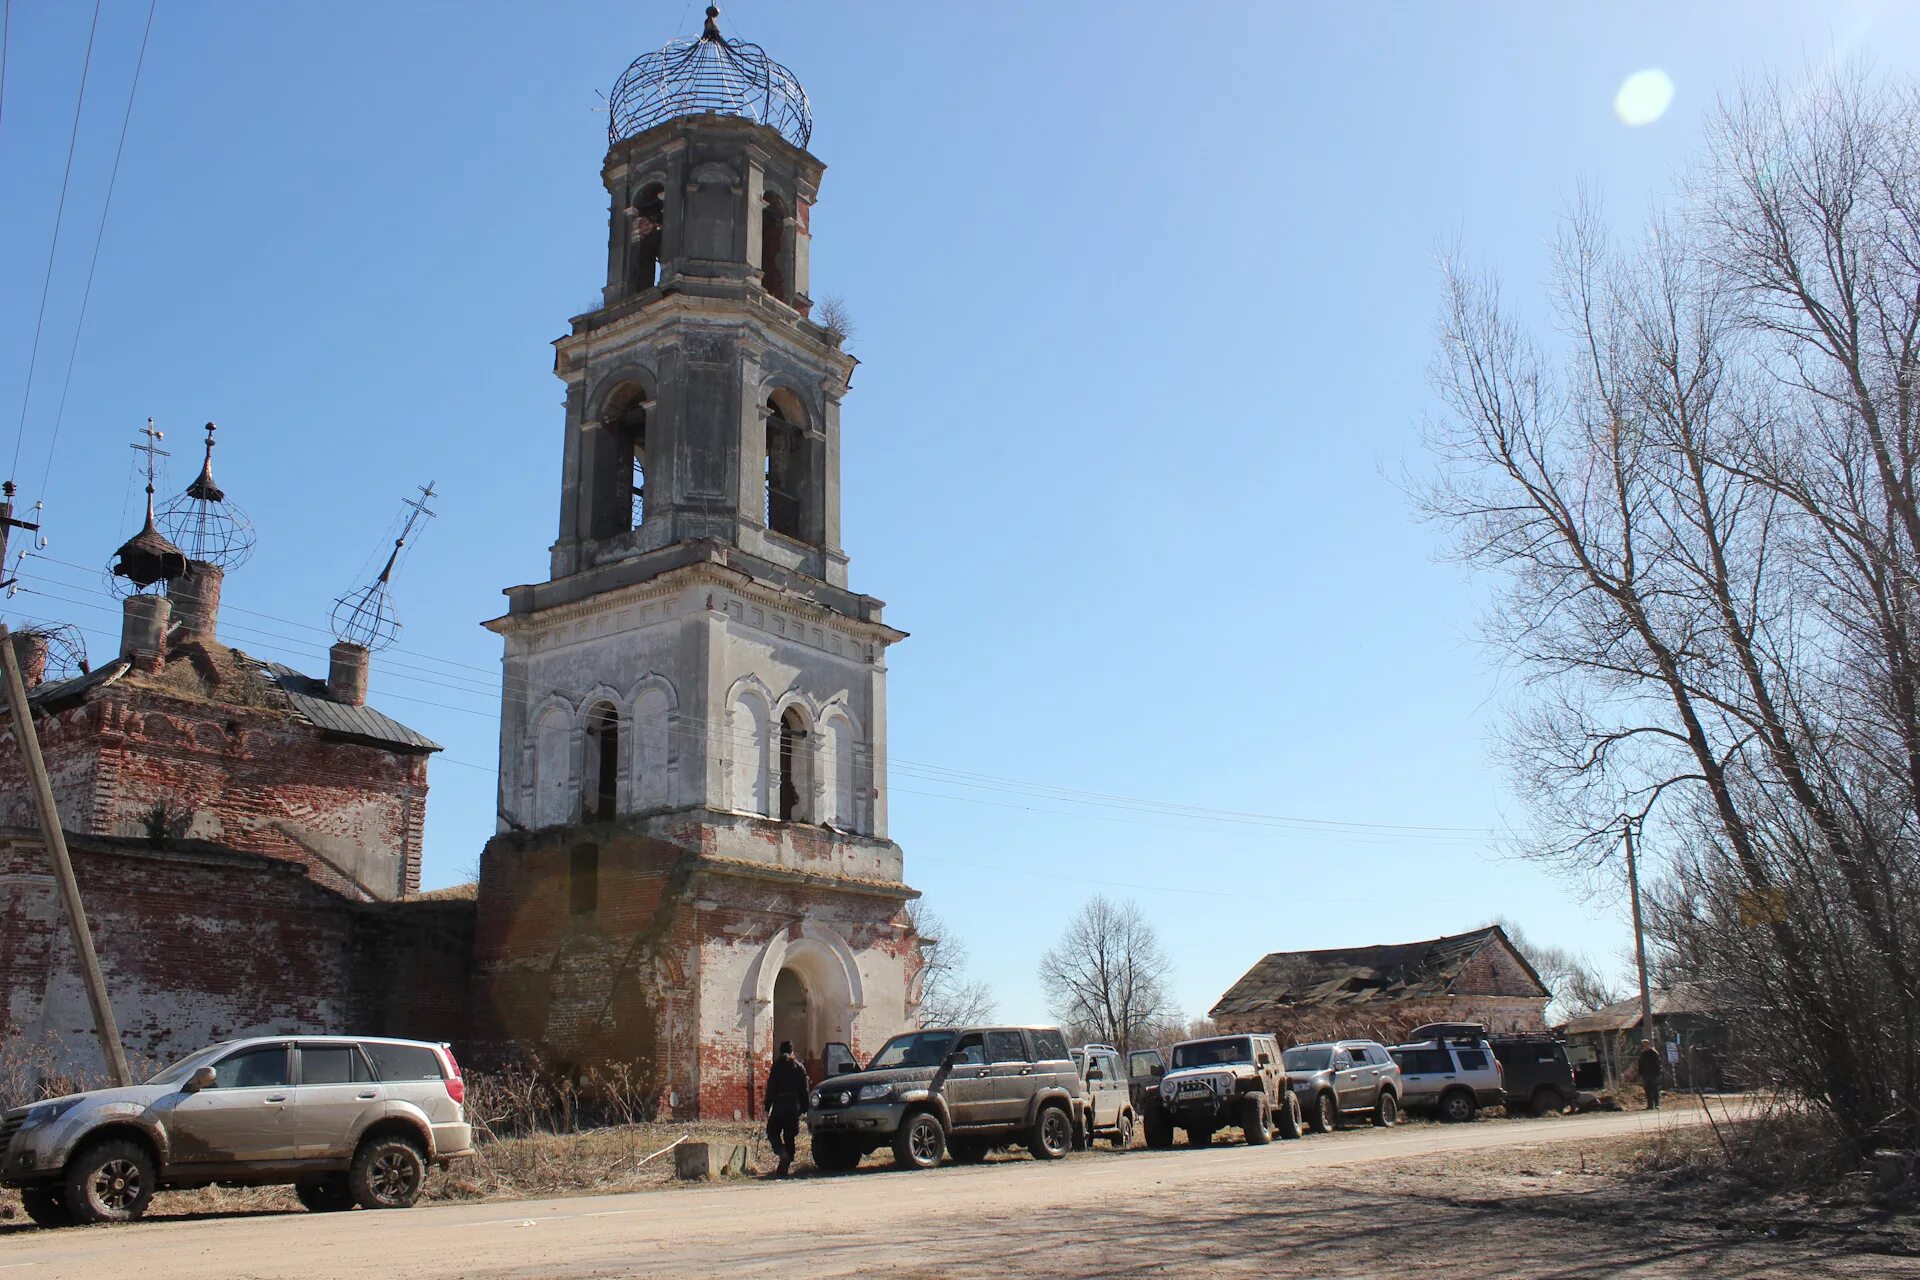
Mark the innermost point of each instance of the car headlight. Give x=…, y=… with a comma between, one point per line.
x=875, y=1092
x=48, y=1112
x=813, y=1099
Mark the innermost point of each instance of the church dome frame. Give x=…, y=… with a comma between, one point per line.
x=709, y=75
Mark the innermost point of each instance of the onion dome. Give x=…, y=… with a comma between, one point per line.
x=709, y=74
x=205, y=524
x=149, y=556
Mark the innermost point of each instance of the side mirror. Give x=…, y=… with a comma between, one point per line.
x=1265, y=1060
x=952, y=1060
x=1095, y=1073
x=1159, y=1069
x=200, y=1079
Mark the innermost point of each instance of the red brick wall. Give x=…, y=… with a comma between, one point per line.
x=252, y=779
x=199, y=944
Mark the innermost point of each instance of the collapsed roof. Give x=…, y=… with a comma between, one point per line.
x=1350, y=976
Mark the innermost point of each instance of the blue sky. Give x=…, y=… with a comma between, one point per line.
x=1144, y=298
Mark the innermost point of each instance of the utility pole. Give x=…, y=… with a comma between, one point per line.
x=7, y=525
x=1639, y=935
x=29, y=745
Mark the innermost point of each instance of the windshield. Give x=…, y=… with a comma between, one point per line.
x=1308, y=1059
x=179, y=1071
x=1212, y=1053
x=914, y=1049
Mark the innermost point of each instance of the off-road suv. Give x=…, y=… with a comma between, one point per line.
x=346, y=1120
x=1535, y=1073
x=1110, y=1110
x=1219, y=1083
x=1339, y=1079
x=1450, y=1068
x=961, y=1090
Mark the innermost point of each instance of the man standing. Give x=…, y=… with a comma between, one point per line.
x=786, y=1098
x=1650, y=1067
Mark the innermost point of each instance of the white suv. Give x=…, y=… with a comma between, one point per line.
x=1449, y=1067
x=345, y=1119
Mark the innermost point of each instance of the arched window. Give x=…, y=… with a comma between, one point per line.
x=747, y=741
x=652, y=723
x=626, y=420
x=551, y=739
x=773, y=248
x=647, y=222
x=796, y=777
x=789, y=478
x=835, y=763
x=601, y=790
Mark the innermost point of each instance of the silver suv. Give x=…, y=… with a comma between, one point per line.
x=1449, y=1067
x=963, y=1091
x=345, y=1120
x=1344, y=1078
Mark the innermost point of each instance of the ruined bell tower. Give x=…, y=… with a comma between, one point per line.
x=693, y=859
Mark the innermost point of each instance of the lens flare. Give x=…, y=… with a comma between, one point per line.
x=1644, y=97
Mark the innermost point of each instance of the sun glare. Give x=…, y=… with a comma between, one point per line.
x=1643, y=97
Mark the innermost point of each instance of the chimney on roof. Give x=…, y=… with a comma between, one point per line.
x=30, y=651
x=196, y=601
x=347, y=673
x=143, y=629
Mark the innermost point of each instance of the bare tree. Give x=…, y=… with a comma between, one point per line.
x=1705, y=509
x=948, y=997
x=1106, y=979
x=1575, y=982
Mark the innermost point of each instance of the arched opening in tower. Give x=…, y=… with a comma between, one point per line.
x=602, y=791
x=786, y=466
x=649, y=217
x=626, y=421
x=793, y=765
x=773, y=248
x=793, y=1016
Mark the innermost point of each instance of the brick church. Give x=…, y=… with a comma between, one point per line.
x=692, y=860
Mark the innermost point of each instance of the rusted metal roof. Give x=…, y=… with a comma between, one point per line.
x=308, y=699
x=1362, y=975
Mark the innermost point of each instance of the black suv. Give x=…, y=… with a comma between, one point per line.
x=964, y=1090
x=1535, y=1071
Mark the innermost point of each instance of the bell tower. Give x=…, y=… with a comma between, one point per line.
x=695, y=686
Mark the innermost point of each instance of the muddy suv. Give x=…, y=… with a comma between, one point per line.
x=1223, y=1082
x=962, y=1090
x=1110, y=1111
x=345, y=1120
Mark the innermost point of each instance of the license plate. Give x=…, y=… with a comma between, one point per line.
x=829, y=1121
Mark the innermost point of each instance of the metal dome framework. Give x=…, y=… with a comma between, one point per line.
x=709, y=74
x=203, y=522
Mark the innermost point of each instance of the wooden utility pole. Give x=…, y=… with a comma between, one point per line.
x=1639, y=935
x=28, y=742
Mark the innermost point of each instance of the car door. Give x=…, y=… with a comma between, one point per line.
x=1145, y=1067
x=242, y=1116
x=1014, y=1072
x=969, y=1084
x=335, y=1089
x=1343, y=1072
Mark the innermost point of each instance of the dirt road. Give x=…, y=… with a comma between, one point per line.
x=1326, y=1206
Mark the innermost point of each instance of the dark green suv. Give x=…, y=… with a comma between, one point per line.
x=961, y=1090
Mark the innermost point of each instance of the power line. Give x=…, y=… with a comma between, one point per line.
x=86, y=294
x=60, y=213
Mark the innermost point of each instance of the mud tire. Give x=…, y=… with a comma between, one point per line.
x=1386, y=1110
x=1052, y=1135
x=1289, y=1122
x=1255, y=1120
x=920, y=1142
x=1326, y=1112
x=1458, y=1107
x=388, y=1172
x=1122, y=1135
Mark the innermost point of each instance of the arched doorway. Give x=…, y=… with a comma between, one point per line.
x=795, y=1019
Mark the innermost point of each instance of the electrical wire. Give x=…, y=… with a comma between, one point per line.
x=99, y=235
x=53, y=250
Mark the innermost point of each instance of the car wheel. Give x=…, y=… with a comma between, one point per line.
x=1254, y=1120
x=1198, y=1137
x=45, y=1206
x=1458, y=1107
x=1386, y=1111
x=1052, y=1134
x=323, y=1195
x=968, y=1150
x=1159, y=1129
x=1546, y=1101
x=920, y=1142
x=1122, y=1136
x=110, y=1181
x=835, y=1156
x=1325, y=1113
x=388, y=1173
x=1290, y=1123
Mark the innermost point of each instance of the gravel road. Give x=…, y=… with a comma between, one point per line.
x=1324, y=1206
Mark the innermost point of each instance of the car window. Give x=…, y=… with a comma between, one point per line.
x=264, y=1067
x=1342, y=1060
x=971, y=1051
x=1006, y=1046
x=1049, y=1045
x=1416, y=1062
x=402, y=1062
x=1308, y=1059
x=1141, y=1062
x=332, y=1064
x=1472, y=1059
x=1212, y=1053
x=1378, y=1056
x=914, y=1049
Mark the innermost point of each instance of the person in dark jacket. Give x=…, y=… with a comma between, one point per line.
x=786, y=1098
x=1650, y=1066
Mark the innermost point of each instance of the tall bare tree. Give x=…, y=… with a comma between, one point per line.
x=1702, y=505
x=1106, y=978
x=948, y=996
